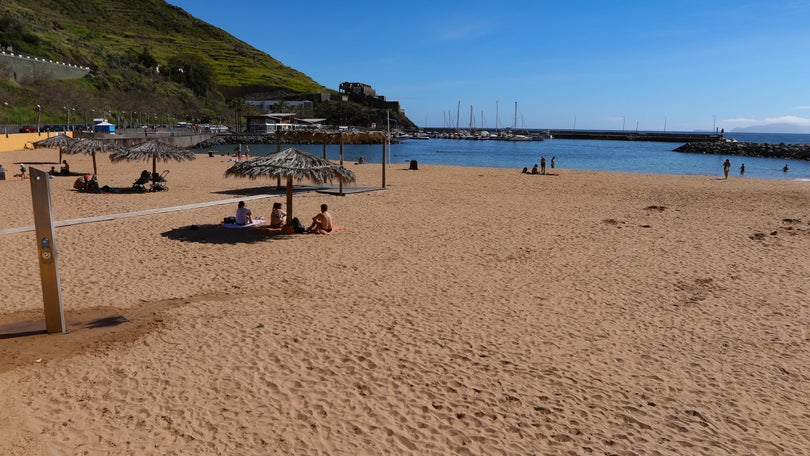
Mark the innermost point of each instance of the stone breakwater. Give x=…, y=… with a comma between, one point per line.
x=236, y=139
x=748, y=149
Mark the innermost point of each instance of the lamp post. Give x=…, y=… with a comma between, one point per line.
x=38, y=109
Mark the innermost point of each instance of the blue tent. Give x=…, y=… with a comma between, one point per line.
x=104, y=127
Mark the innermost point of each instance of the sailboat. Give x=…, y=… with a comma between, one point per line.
x=512, y=136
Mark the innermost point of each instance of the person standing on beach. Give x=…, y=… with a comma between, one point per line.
x=542, y=164
x=742, y=169
x=238, y=151
x=553, y=162
x=726, y=168
x=247, y=152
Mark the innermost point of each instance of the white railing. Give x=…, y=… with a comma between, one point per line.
x=26, y=57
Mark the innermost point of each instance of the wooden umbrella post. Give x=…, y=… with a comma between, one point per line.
x=278, y=149
x=289, y=200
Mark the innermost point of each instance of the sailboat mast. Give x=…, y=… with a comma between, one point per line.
x=458, y=114
x=497, y=119
x=515, y=121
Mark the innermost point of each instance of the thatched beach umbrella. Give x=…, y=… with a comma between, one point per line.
x=55, y=142
x=292, y=164
x=153, y=150
x=91, y=146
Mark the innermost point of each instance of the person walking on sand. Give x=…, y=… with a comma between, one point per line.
x=726, y=168
x=23, y=172
x=542, y=164
x=321, y=223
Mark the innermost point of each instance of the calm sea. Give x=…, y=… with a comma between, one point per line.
x=616, y=156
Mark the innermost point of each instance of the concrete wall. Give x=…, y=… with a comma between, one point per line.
x=19, y=141
x=24, y=69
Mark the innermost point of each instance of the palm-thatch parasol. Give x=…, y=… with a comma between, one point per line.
x=55, y=142
x=292, y=164
x=154, y=150
x=91, y=146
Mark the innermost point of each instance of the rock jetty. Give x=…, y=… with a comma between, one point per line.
x=748, y=149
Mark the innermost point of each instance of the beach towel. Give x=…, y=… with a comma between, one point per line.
x=234, y=225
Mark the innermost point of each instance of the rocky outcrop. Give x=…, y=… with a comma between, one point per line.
x=748, y=149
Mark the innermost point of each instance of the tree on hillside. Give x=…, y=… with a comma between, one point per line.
x=193, y=71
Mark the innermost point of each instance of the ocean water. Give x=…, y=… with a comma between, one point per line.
x=612, y=156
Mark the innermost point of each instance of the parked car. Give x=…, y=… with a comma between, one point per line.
x=27, y=129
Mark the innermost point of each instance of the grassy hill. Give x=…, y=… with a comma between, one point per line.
x=146, y=56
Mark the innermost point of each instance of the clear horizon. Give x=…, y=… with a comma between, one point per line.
x=690, y=66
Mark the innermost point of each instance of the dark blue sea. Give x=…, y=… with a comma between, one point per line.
x=613, y=156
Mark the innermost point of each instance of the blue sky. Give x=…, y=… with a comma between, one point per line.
x=680, y=65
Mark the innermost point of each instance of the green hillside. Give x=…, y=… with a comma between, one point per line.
x=145, y=56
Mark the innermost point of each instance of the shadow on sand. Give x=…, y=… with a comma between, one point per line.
x=217, y=234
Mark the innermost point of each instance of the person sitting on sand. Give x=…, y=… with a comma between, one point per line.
x=321, y=223
x=243, y=215
x=52, y=172
x=278, y=217
x=65, y=169
x=81, y=183
x=535, y=169
x=92, y=185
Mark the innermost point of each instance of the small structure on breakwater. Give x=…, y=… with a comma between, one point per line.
x=748, y=149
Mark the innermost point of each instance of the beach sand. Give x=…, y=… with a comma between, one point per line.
x=461, y=311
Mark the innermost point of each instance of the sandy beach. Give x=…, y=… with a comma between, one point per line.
x=460, y=311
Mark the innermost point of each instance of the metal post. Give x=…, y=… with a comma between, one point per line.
x=46, y=247
x=384, y=150
x=341, y=162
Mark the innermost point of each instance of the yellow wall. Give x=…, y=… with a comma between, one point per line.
x=17, y=141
